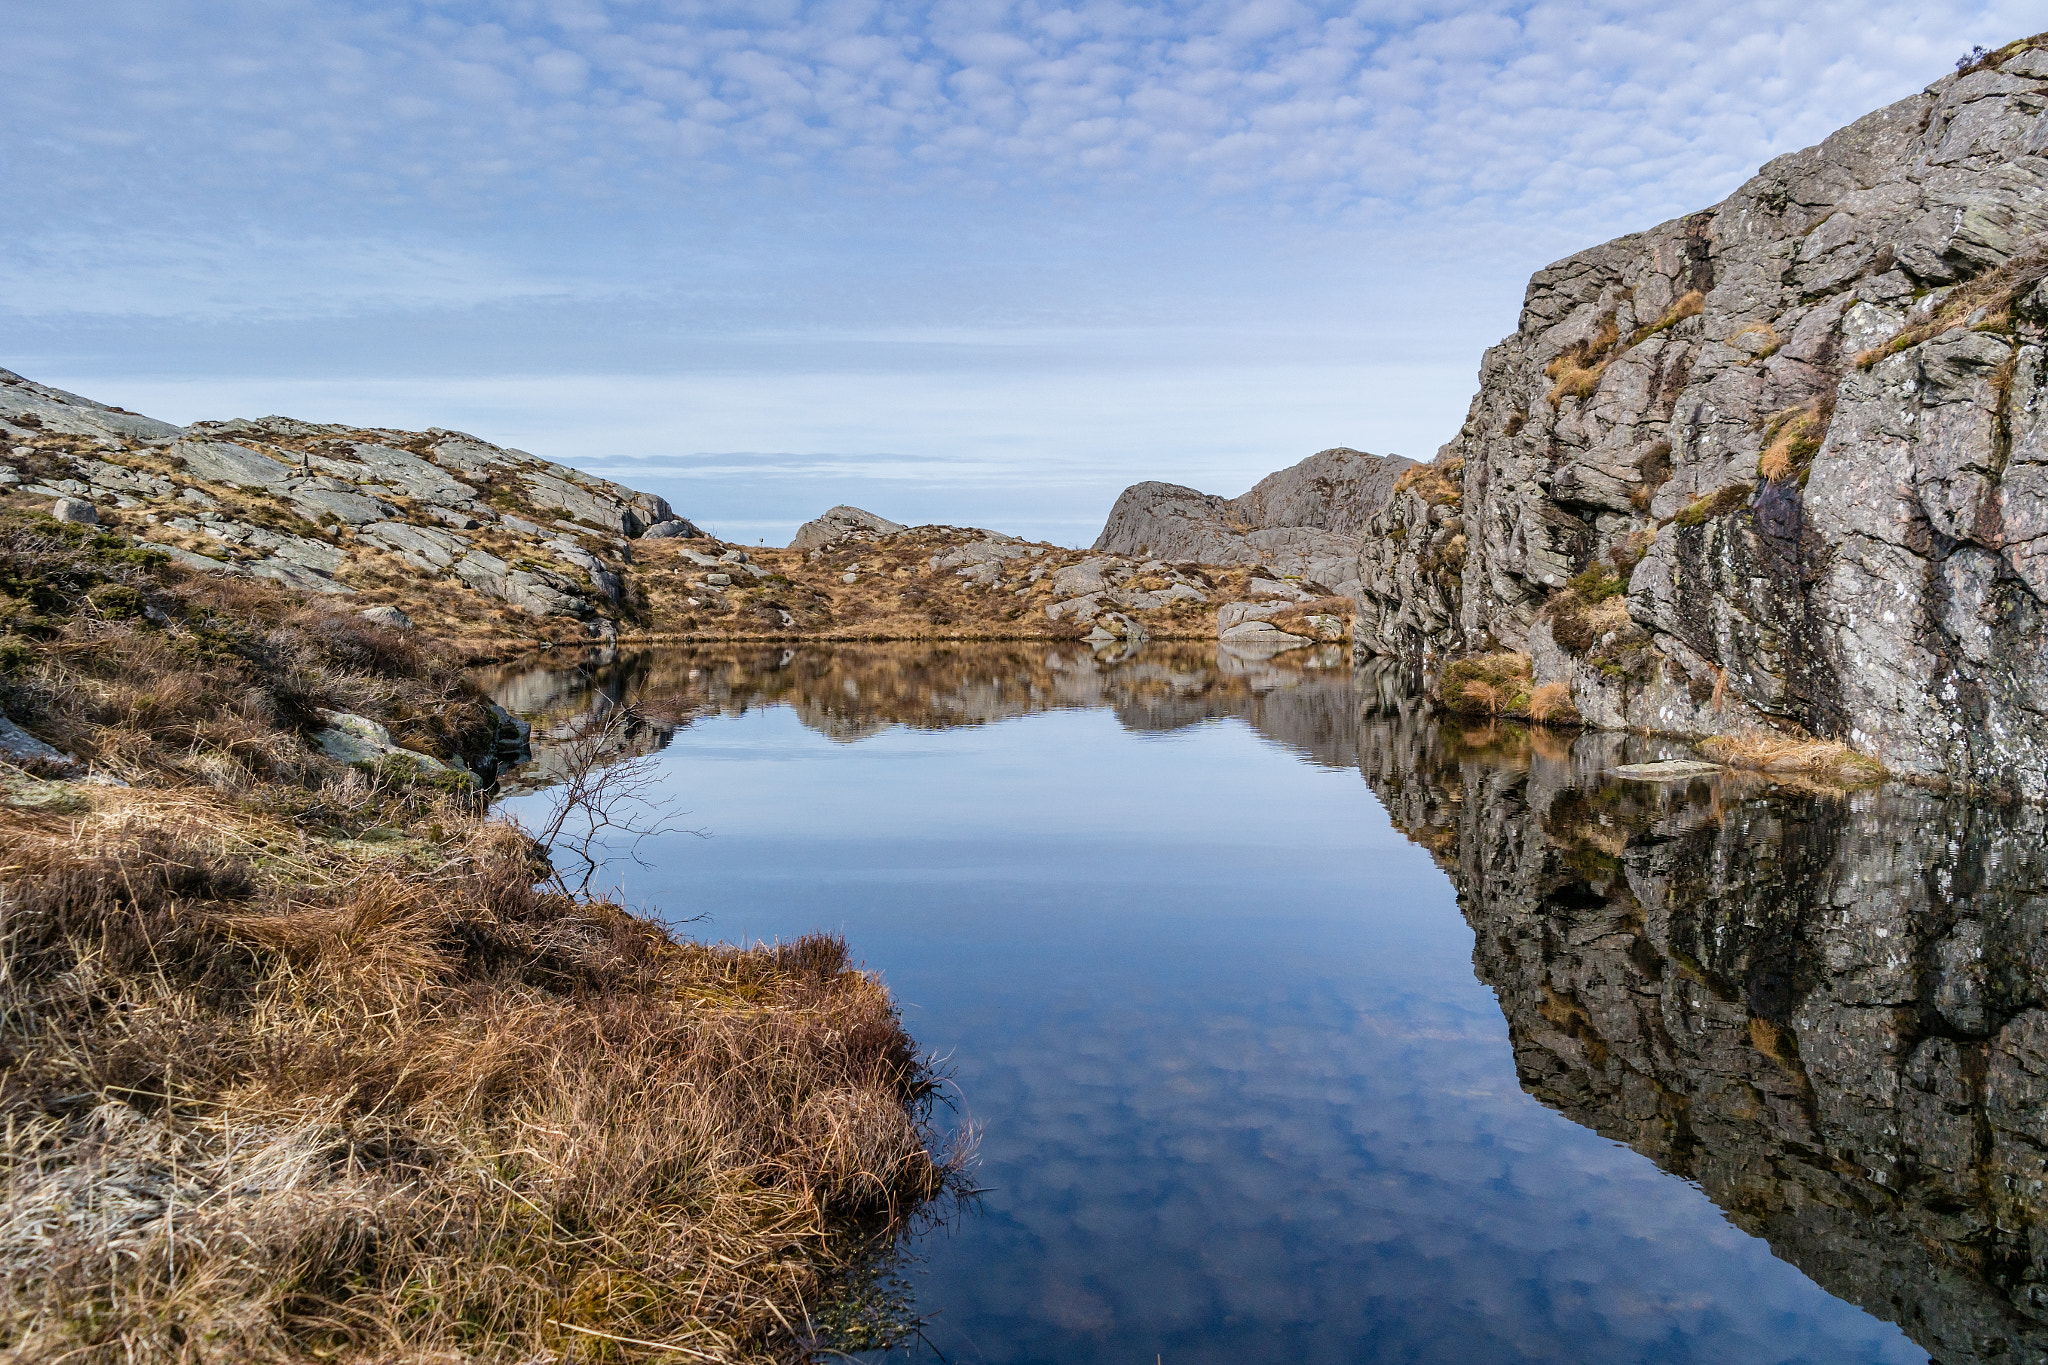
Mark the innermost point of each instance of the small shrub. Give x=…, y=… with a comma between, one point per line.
x=1596, y=584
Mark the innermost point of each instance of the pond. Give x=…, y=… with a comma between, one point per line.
x=1298, y=1025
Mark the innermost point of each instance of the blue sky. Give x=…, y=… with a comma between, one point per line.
x=971, y=262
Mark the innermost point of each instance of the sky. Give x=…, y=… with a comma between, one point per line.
x=973, y=261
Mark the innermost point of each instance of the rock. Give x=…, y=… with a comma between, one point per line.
x=231, y=463
x=839, y=523
x=25, y=751
x=358, y=739
x=724, y=580
x=1667, y=770
x=391, y=618
x=353, y=508
x=1261, y=635
x=1816, y=526
x=294, y=575
x=662, y=530
x=1303, y=520
x=54, y=410
x=423, y=547
x=75, y=510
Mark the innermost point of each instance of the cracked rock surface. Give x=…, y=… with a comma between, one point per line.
x=1805, y=429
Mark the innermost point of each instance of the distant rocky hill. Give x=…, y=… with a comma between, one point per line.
x=502, y=550
x=341, y=510
x=1302, y=523
x=1779, y=464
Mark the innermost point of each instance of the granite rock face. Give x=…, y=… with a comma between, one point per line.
x=327, y=508
x=1830, y=1012
x=1804, y=428
x=1302, y=522
x=841, y=523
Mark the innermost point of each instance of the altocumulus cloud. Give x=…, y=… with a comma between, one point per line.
x=1084, y=242
x=1583, y=110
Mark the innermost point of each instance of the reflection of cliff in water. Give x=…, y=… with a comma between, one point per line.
x=1304, y=700
x=1828, y=1010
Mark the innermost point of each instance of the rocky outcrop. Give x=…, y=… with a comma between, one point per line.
x=1829, y=1012
x=332, y=509
x=1301, y=523
x=842, y=523
x=1775, y=465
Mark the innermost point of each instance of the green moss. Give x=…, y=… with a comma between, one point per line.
x=1716, y=504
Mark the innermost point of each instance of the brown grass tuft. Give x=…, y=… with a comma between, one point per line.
x=382, y=1110
x=1989, y=298
x=1577, y=371
x=1687, y=305
x=1488, y=684
x=1551, y=704
x=1792, y=438
x=1798, y=755
x=1436, y=483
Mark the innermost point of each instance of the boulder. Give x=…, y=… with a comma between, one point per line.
x=1303, y=520
x=391, y=618
x=230, y=462
x=358, y=739
x=839, y=523
x=23, y=750
x=673, y=527
x=75, y=510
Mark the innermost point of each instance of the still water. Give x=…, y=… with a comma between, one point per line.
x=1299, y=1027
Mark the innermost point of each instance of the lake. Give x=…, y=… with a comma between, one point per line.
x=1299, y=1026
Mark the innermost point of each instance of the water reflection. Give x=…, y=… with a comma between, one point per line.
x=1824, y=1008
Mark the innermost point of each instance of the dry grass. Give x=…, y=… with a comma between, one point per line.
x=1988, y=298
x=1768, y=340
x=1798, y=755
x=1437, y=483
x=296, y=1063
x=1488, y=684
x=1690, y=304
x=1576, y=372
x=153, y=672
x=1792, y=438
x=1551, y=704
x=400, y=1111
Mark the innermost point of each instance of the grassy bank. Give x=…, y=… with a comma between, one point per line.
x=297, y=1062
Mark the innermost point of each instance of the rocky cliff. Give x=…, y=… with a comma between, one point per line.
x=1302, y=523
x=1781, y=464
